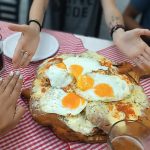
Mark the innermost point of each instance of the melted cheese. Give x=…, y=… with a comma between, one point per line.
x=80, y=124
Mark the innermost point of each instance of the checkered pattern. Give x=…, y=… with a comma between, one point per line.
x=28, y=135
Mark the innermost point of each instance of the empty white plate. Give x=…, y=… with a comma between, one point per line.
x=48, y=46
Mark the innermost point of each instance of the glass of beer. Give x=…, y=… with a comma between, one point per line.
x=129, y=135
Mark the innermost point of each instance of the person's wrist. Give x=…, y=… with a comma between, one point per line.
x=34, y=26
x=116, y=31
x=117, y=34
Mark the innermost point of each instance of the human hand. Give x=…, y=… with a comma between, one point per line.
x=132, y=45
x=26, y=46
x=10, y=112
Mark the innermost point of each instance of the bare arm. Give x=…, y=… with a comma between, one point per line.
x=129, y=42
x=111, y=13
x=37, y=11
x=129, y=15
x=28, y=42
x=112, y=17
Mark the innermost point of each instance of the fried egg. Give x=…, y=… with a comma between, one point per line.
x=99, y=87
x=58, y=76
x=59, y=102
x=77, y=66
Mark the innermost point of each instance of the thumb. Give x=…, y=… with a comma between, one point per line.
x=17, y=28
x=143, y=32
x=19, y=113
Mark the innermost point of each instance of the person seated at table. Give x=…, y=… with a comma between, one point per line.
x=132, y=11
x=129, y=42
x=10, y=111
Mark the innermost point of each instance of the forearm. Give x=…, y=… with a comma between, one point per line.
x=113, y=17
x=37, y=11
x=131, y=23
x=129, y=16
x=111, y=13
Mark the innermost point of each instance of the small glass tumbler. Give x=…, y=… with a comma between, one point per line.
x=1, y=55
x=129, y=135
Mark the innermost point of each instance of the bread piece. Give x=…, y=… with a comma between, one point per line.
x=96, y=114
x=60, y=129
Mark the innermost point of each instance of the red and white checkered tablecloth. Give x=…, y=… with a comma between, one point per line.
x=28, y=135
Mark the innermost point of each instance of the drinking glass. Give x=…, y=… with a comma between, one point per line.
x=1, y=55
x=129, y=135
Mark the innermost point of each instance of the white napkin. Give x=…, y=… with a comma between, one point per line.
x=94, y=44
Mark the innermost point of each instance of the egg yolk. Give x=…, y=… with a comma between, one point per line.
x=61, y=65
x=104, y=90
x=76, y=70
x=85, y=82
x=72, y=101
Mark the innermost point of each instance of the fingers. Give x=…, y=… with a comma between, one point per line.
x=8, y=86
x=147, y=50
x=12, y=84
x=145, y=56
x=27, y=61
x=17, y=90
x=5, y=82
x=144, y=60
x=21, y=56
x=142, y=32
x=1, y=81
x=143, y=63
x=10, y=89
x=18, y=114
x=24, y=58
x=139, y=64
x=28, y=42
x=18, y=54
x=16, y=27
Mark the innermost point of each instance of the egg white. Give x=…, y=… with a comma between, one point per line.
x=58, y=77
x=51, y=102
x=88, y=64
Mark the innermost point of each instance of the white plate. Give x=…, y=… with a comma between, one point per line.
x=48, y=46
